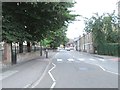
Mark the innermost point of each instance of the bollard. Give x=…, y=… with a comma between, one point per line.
x=40, y=51
x=14, y=56
x=46, y=51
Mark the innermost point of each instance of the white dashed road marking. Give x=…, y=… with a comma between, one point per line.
x=101, y=59
x=81, y=59
x=92, y=59
x=59, y=60
x=70, y=59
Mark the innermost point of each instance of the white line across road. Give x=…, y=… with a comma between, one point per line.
x=92, y=59
x=7, y=74
x=70, y=59
x=101, y=59
x=59, y=60
x=81, y=59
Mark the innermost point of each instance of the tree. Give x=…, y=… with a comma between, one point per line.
x=36, y=18
x=54, y=39
x=111, y=28
x=104, y=29
x=30, y=21
x=95, y=25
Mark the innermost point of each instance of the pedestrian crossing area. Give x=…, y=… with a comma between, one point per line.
x=70, y=59
x=59, y=60
x=92, y=59
x=79, y=59
x=101, y=59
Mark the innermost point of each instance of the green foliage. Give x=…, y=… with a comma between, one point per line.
x=31, y=21
x=55, y=38
x=105, y=31
x=110, y=28
x=95, y=25
x=112, y=49
x=13, y=31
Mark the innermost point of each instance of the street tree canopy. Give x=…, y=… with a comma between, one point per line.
x=104, y=28
x=105, y=31
x=30, y=21
x=55, y=39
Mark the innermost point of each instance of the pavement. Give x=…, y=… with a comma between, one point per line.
x=5, y=67
x=25, y=72
x=114, y=58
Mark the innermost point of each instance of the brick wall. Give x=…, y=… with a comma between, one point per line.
x=27, y=56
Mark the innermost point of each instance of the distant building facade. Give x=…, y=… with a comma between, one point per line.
x=84, y=43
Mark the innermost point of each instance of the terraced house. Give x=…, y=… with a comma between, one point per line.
x=84, y=43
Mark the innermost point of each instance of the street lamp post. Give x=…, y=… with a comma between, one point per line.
x=14, y=55
x=84, y=41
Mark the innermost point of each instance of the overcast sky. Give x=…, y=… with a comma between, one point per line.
x=86, y=8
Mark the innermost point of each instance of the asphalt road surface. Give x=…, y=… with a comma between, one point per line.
x=71, y=69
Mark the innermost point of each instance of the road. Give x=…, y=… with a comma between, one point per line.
x=71, y=69
x=67, y=69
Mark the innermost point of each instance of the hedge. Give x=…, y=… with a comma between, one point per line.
x=112, y=49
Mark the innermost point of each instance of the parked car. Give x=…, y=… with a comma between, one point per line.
x=71, y=48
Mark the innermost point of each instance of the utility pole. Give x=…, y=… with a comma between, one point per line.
x=84, y=41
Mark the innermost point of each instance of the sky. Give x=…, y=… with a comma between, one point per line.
x=86, y=8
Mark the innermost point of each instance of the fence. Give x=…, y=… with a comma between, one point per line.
x=32, y=48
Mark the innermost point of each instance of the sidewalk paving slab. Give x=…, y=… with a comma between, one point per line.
x=113, y=58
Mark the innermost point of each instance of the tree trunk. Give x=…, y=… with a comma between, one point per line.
x=40, y=50
x=20, y=47
x=28, y=47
